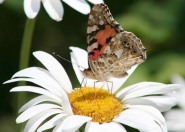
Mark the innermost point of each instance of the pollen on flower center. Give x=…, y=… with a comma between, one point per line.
x=96, y=103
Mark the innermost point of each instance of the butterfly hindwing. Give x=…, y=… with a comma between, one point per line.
x=122, y=52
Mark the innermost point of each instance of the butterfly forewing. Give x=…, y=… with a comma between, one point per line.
x=111, y=51
x=101, y=29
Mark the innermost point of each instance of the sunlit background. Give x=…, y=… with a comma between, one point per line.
x=160, y=24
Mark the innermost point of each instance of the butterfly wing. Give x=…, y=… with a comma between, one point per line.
x=123, y=51
x=101, y=29
x=111, y=51
x=128, y=51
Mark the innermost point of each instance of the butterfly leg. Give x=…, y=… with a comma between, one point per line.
x=95, y=89
x=85, y=83
x=111, y=86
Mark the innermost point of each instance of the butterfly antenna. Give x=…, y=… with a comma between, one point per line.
x=67, y=60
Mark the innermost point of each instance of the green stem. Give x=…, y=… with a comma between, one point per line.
x=24, y=59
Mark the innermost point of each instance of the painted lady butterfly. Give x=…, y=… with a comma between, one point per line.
x=111, y=50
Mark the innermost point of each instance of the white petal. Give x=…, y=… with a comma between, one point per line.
x=175, y=120
x=139, y=119
x=41, y=83
x=153, y=112
x=72, y=123
x=118, y=82
x=162, y=103
x=39, y=74
x=146, y=88
x=79, y=60
x=54, y=8
x=32, y=111
x=34, y=122
x=93, y=127
x=80, y=5
x=55, y=69
x=112, y=127
x=35, y=90
x=80, y=57
x=1, y=1
x=64, y=100
x=96, y=1
x=66, y=104
x=179, y=95
x=176, y=79
x=52, y=122
x=36, y=101
x=121, y=94
x=31, y=8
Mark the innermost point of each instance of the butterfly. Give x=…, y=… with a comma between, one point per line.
x=111, y=50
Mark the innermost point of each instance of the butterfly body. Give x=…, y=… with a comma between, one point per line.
x=111, y=50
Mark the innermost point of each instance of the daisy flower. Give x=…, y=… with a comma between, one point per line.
x=62, y=108
x=175, y=117
x=54, y=8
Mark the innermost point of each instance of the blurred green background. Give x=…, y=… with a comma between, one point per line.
x=160, y=24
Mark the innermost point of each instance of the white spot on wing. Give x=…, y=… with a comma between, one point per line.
x=101, y=22
x=94, y=28
x=90, y=16
x=90, y=48
x=119, y=53
x=91, y=29
x=107, y=50
x=88, y=30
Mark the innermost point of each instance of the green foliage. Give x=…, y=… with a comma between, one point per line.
x=159, y=68
x=16, y=5
x=158, y=23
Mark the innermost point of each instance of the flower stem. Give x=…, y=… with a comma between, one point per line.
x=24, y=58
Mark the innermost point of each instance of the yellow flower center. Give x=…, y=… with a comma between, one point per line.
x=96, y=103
